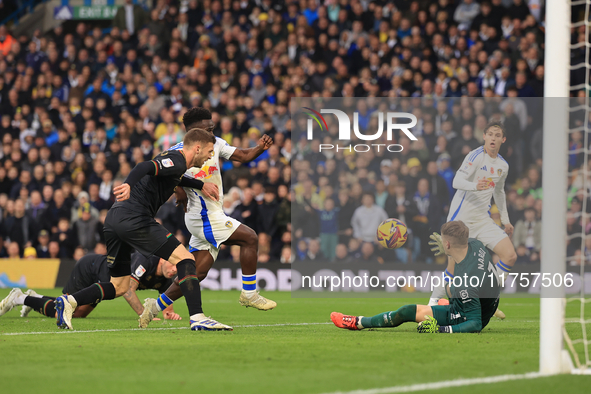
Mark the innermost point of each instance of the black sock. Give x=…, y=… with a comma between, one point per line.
x=95, y=293
x=190, y=285
x=43, y=305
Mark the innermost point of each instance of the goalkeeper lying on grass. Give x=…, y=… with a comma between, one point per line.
x=473, y=301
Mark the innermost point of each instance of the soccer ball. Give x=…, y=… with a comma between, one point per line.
x=392, y=233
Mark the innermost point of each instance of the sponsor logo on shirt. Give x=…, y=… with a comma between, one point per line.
x=167, y=163
x=492, y=170
x=139, y=271
x=490, y=183
x=206, y=172
x=483, y=168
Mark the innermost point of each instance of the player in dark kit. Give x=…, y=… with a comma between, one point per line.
x=146, y=273
x=209, y=226
x=474, y=299
x=130, y=224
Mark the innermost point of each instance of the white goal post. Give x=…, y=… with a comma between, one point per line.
x=554, y=180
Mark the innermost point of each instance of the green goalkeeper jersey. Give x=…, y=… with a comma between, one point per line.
x=476, y=296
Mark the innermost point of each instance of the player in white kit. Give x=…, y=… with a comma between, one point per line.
x=482, y=176
x=208, y=224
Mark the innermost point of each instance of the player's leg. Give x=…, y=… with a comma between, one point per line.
x=14, y=298
x=494, y=238
x=247, y=239
x=189, y=283
x=83, y=310
x=203, y=261
x=29, y=300
x=404, y=314
x=506, y=252
x=41, y=304
x=440, y=291
x=119, y=259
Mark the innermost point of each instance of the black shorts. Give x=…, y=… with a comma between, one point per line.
x=127, y=230
x=87, y=271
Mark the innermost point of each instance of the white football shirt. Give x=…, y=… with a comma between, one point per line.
x=470, y=205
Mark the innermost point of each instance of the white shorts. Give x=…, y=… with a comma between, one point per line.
x=210, y=231
x=487, y=232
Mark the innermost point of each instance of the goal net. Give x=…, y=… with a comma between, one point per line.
x=567, y=23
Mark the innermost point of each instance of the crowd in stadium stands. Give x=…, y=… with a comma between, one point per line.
x=81, y=108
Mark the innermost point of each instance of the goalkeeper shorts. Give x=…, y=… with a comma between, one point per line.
x=446, y=315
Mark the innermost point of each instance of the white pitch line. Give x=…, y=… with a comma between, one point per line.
x=444, y=384
x=152, y=329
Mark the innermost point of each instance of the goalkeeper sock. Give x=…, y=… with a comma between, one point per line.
x=43, y=305
x=163, y=302
x=395, y=318
x=439, y=291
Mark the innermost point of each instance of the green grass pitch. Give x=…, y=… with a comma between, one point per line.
x=268, y=352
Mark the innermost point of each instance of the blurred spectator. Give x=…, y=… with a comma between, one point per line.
x=3, y=251
x=329, y=219
x=366, y=219
x=429, y=217
x=301, y=249
x=17, y=227
x=85, y=228
x=54, y=250
x=13, y=250
x=528, y=231
x=286, y=255
x=314, y=253
x=30, y=253
x=65, y=238
x=342, y=254
x=267, y=212
x=43, y=244
x=130, y=17
x=56, y=210
x=465, y=13
x=367, y=253
x=6, y=40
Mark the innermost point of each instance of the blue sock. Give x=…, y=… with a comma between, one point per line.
x=249, y=282
x=503, y=267
x=448, y=276
x=164, y=302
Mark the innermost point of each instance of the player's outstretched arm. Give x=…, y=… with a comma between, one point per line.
x=132, y=298
x=123, y=191
x=436, y=244
x=246, y=155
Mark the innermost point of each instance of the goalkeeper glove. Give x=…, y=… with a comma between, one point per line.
x=436, y=244
x=430, y=326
